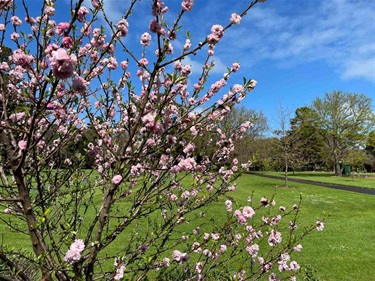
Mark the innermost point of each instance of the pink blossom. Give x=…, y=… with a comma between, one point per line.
x=217, y=32
x=74, y=253
x=237, y=213
x=86, y=29
x=112, y=63
x=264, y=201
x=298, y=248
x=241, y=219
x=49, y=10
x=187, y=5
x=116, y=179
x=237, y=88
x=235, y=67
x=198, y=267
x=187, y=164
x=81, y=13
x=274, y=238
x=207, y=253
x=189, y=148
x=119, y=272
x=186, y=70
x=122, y=27
x=20, y=58
x=62, y=27
x=145, y=39
x=187, y=45
x=143, y=62
x=235, y=18
x=50, y=48
x=157, y=8
x=16, y=21
x=167, y=262
x=252, y=83
x=253, y=250
x=228, y=203
x=62, y=64
x=22, y=145
x=273, y=277
x=169, y=49
x=196, y=247
x=294, y=266
x=95, y=4
x=79, y=84
x=124, y=65
x=155, y=27
x=67, y=42
x=197, y=231
x=222, y=248
x=180, y=257
x=248, y=212
x=14, y=36
x=319, y=225
x=8, y=210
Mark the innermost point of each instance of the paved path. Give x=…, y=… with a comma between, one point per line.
x=324, y=184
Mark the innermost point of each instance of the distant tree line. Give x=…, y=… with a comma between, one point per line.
x=336, y=130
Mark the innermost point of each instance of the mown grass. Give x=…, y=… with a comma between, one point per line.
x=365, y=180
x=343, y=251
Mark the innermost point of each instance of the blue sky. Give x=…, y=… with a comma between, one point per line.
x=297, y=50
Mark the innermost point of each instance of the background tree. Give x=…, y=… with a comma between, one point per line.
x=344, y=121
x=265, y=155
x=308, y=144
x=370, y=152
x=231, y=122
x=286, y=140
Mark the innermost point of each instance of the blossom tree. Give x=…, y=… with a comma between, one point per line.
x=139, y=212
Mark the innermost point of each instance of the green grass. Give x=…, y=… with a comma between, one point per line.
x=343, y=251
x=363, y=180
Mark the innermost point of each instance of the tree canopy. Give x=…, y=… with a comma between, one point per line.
x=344, y=121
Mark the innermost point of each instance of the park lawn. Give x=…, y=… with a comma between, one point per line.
x=365, y=180
x=343, y=251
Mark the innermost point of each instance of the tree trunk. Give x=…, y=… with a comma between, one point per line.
x=286, y=174
x=338, y=170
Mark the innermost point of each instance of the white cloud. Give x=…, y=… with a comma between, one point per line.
x=360, y=68
x=220, y=67
x=197, y=66
x=338, y=32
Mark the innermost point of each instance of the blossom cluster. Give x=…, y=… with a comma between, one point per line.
x=245, y=230
x=75, y=250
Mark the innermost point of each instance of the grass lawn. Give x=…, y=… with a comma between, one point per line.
x=364, y=180
x=343, y=251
